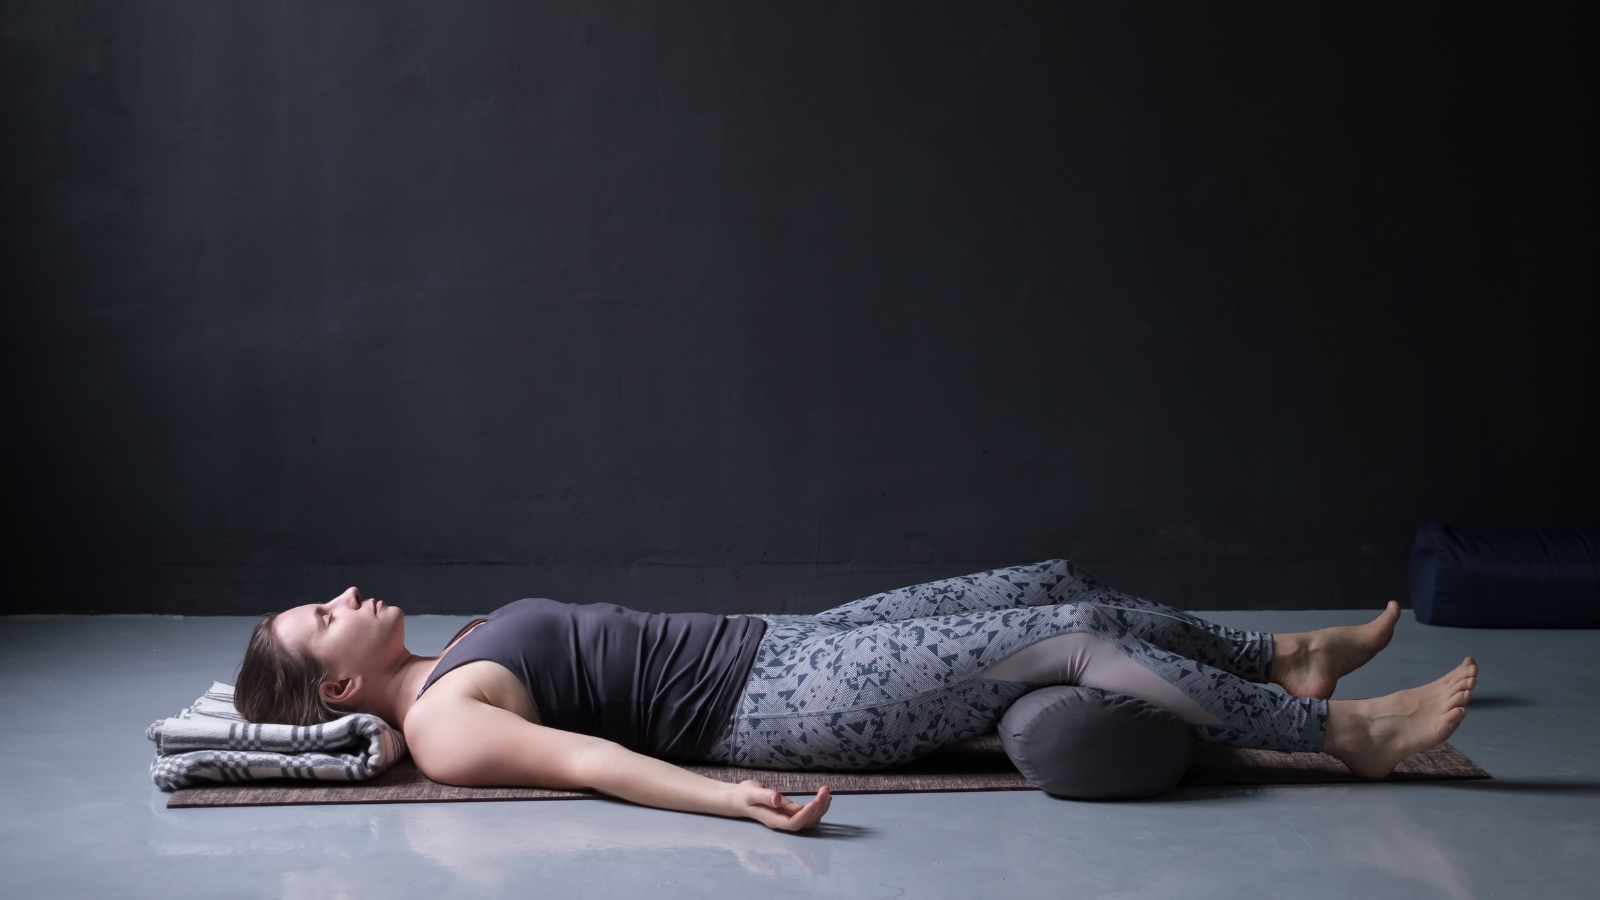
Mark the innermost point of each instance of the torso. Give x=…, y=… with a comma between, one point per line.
x=482, y=681
x=661, y=684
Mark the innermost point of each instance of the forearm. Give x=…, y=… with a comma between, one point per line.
x=614, y=770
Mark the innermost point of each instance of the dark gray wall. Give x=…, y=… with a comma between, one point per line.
x=765, y=306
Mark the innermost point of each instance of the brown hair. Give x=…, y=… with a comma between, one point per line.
x=279, y=684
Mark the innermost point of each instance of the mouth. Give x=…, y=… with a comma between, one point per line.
x=377, y=606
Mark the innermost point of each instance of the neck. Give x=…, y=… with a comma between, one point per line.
x=400, y=689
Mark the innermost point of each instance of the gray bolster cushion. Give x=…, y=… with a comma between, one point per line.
x=1088, y=744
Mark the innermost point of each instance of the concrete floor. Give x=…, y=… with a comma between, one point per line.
x=79, y=817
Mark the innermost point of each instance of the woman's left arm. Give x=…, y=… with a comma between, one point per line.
x=464, y=741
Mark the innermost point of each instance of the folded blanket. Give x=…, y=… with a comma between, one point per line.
x=210, y=741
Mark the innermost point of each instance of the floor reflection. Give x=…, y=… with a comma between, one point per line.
x=486, y=853
x=1360, y=837
x=322, y=884
x=1395, y=843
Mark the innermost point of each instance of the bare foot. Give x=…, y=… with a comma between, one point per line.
x=1372, y=736
x=1310, y=663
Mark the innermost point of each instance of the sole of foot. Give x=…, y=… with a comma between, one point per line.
x=1312, y=662
x=1373, y=736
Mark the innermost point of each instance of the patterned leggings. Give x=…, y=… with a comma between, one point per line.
x=890, y=678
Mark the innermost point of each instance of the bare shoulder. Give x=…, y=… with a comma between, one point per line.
x=479, y=682
x=476, y=725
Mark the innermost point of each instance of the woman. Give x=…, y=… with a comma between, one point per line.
x=556, y=695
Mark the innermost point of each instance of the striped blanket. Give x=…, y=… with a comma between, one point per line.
x=210, y=741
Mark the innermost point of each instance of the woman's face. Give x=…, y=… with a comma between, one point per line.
x=349, y=634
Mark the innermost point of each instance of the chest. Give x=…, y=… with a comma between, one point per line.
x=488, y=682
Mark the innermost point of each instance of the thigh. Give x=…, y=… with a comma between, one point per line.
x=1057, y=582
x=874, y=736
x=1052, y=582
x=1247, y=654
x=886, y=693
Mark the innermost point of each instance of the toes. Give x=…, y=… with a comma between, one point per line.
x=1449, y=723
x=1386, y=620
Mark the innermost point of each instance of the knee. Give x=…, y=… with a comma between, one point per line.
x=1067, y=570
x=1063, y=568
x=1089, y=618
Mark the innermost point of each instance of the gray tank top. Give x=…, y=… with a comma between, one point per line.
x=663, y=684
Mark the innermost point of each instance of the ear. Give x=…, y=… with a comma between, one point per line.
x=340, y=691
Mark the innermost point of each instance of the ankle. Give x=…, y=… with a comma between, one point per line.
x=1288, y=653
x=1345, y=732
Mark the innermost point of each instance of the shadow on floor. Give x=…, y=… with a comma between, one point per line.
x=1551, y=786
x=1191, y=794
x=1499, y=701
x=834, y=831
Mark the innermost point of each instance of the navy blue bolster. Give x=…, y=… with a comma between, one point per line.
x=1507, y=577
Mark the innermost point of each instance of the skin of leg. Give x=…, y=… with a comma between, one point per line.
x=1310, y=663
x=1372, y=736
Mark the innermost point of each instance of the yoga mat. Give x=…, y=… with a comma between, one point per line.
x=976, y=765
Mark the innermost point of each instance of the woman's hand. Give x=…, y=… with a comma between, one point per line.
x=753, y=800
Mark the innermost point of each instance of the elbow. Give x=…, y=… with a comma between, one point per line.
x=456, y=772
x=458, y=765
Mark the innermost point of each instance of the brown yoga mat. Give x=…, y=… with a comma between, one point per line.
x=976, y=765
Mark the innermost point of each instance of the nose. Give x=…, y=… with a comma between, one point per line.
x=351, y=597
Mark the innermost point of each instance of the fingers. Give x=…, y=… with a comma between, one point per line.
x=766, y=796
x=793, y=816
x=822, y=801
x=807, y=818
x=811, y=813
x=775, y=799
